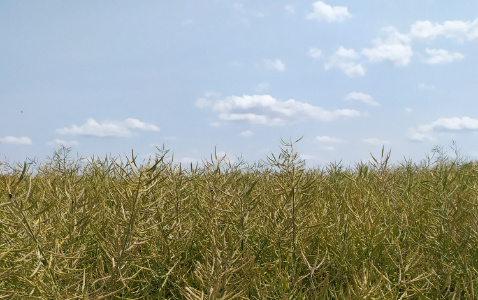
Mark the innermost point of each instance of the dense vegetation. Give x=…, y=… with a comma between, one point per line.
x=117, y=228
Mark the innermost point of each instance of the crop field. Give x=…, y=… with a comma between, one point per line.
x=120, y=228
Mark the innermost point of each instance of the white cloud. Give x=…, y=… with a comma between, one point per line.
x=239, y=7
x=246, y=133
x=207, y=100
x=266, y=110
x=323, y=11
x=418, y=136
x=328, y=139
x=22, y=140
x=137, y=124
x=395, y=47
x=441, y=56
x=375, y=141
x=424, y=132
x=315, y=52
x=408, y=110
x=58, y=142
x=343, y=59
x=108, y=128
x=458, y=30
x=425, y=86
x=275, y=64
x=451, y=124
x=345, y=53
x=365, y=98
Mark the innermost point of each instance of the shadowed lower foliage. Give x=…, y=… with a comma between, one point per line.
x=116, y=228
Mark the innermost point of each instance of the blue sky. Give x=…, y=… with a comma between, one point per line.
x=105, y=77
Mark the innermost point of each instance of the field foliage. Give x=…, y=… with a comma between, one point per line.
x=107, y=228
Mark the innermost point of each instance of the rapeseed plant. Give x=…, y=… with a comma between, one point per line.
x=114, y=228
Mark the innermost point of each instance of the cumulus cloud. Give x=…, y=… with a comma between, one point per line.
x=315, y=52
x=451, y=124
x=365, y=98
x=109, y=128
x=266, y=110
x=455, y=124
x=274, y=64
x=441, y=56
x=417, y=136
x=22, y=140
x=344, y=60
x=375, y=141
x=394, y=47
x=325, y=12
x=459, y=30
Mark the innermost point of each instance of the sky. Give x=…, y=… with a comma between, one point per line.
x=236, y=77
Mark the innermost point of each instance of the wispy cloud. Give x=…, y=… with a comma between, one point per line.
x=315, y=52
x=59, y=142
x=22, y=140
x=289, y=9
x=246, y=133
x=362, y=97
x=328, y=139
x=327, y=143
x=266, y=110
x=324, y=12
x=208, y=99
x=262, y=87
x=275, y=64
x=344, y=60
x=239, y=7
x=441, y=56
x=458, y=30
x=108, y=128
x=426, y=86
